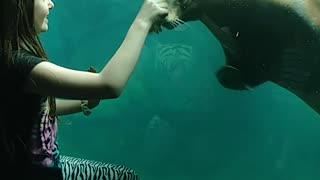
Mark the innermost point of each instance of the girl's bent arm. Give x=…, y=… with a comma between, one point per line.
x=52, y=80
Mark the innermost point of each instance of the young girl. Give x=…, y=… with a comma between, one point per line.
x=30, y=84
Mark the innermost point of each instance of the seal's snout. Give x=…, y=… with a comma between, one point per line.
x=173, y=19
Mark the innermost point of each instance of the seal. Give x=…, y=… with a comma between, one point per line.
x=263, y=40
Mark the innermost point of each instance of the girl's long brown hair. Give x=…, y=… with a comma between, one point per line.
x=17, y=31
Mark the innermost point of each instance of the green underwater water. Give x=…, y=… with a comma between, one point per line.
x=174, y=120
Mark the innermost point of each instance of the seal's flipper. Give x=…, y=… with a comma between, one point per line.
x=228, y=76
x=231, y=78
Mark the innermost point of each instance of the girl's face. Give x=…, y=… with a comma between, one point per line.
x=41, y=11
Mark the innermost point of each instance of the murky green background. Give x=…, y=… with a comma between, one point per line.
x=174, y=121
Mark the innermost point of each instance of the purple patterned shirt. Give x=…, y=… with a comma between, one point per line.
x=44, y=134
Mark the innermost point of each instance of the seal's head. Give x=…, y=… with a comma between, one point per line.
x=180, y=11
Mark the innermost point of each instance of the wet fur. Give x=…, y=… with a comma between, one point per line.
x=263, y=40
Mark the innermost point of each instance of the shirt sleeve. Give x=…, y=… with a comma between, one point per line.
x=23, y=64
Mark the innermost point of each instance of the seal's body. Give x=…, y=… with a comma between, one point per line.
x=263, y=40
